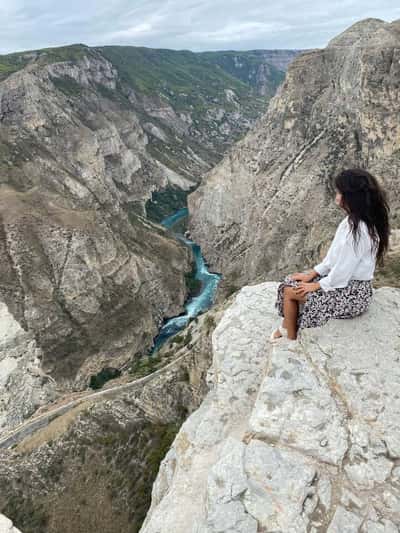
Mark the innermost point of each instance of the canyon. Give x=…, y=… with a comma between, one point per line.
x=220, y=431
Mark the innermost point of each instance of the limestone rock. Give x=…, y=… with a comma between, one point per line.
x=267, y=208
x=293, y=437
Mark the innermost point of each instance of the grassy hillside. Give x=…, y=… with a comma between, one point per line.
x=148, y=69
x=181, y=74
x=189, y=80
x=10, y=63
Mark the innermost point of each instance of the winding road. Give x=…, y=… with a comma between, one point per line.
x=33, y=424
x=195, y=305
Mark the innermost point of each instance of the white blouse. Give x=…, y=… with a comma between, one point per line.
x=345, y=261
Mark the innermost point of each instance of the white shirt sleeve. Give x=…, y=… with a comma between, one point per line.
x=324, y=267
x=347, y=258
x=326, y=264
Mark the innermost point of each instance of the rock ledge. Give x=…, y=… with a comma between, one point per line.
x=299, y=437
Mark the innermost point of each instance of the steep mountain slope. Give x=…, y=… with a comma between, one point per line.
x=187, y=102
x=255, y=67
x=267, y=208
x=85, y=280
x=84, y=142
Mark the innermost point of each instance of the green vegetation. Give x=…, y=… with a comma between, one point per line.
x=162, y=436
x=181, y=340
x=188, y=338
x=10, y=63
x=107, y=373
x=230, y=289
x=67, y=85
x=187, y=80
x=177, y=339
x=179, y=74
x=165, y=202
x=28, y=515
x=72, y=52
x=209, y=323
x=145, y=365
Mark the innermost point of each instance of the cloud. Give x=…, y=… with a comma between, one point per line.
x=238, y=31
x=183, y=24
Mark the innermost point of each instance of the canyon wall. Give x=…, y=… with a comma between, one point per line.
x=267, y=209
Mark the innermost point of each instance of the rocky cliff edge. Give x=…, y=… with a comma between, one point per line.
x=290, y=438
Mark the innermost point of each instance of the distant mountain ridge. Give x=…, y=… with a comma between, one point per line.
x=242, y=65
x=255, y=67
x=208, y=98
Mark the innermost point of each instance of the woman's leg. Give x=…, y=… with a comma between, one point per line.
x=291, y=303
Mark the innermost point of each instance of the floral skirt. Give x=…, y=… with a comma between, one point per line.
x=320, y=306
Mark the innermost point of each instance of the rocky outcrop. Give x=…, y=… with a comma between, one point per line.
x=292, y=437
x=267, y=208
x=101, y=455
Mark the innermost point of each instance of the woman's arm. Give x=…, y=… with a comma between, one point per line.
x=327, y=263
x=347, y=258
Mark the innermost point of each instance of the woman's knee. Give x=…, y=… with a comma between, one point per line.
x=288, y=291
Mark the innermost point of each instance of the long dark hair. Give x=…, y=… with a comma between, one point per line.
x=364, y=199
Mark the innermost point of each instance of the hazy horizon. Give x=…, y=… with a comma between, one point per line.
x=182, y=24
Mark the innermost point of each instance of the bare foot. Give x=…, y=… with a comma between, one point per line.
x=276, y=334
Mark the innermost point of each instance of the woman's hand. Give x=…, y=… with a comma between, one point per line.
x=303, y=288
x=303, y=276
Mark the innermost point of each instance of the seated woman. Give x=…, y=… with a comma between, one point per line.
x=341, y=285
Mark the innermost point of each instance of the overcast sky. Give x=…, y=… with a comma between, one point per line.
x=183, y=24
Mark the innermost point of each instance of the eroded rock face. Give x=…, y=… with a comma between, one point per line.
x=255, y=67
x=82, y=290
x=267, y=208
x=299, y=437
x=86, y=279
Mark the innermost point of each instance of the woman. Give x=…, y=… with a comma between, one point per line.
x=341, y=285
